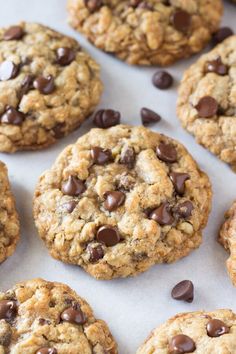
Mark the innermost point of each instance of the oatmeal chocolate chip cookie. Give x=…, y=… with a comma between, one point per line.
x=150, y=32
x=194, y=332
x=41, y=317
x=48, y=86
x=120, y=200
x=227, y=238
x=9, y=221
x=207, y=101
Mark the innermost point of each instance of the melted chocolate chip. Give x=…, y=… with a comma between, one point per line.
x=128, y=157
x=181, y=344
x=162, y=80
x=70, y=206
x=58, y=130
x=207, y=107
x=73, y=315
x=8, y=310
x=222, y=34
x=8, y=70
x=12, y=116
x=45, y=85
x=46, y=350
x=216, y=66
x=65, y=56
x=114, y=200
x=178, y=180
x=162, y=214
x=93, y=5
x=166, y=152
x=108, y=235
x=216, y=328
x=106, y=118
x=73, y=186
x=13, y=33
x=181, y=20
x=184, y=210
x=183, y=291
x=95, y=253
x=148, y=116
x=101, y=156
x=26, y=85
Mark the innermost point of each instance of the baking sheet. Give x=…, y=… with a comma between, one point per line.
x=132, y=307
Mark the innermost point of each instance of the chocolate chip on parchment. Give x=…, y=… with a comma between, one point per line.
x=207, y=107
x=216, y=66
x=8, y=70
x=73, y=186
x=106, y=118
x=65, y=56
x=12, y=116
x=184, y=209
x=183, y=291
x=13, y=33
x=95, y=253
x=101, y=156
x=162, y=214
x=46, y=350
x=148, y=116
x=222, y=34
x=73, y=315
x=216, y=328
x=45, y=85
x=114, y=199
x=178, y=179
x=8, y=310
x=181, y=20
x=93, y=5
x=166, y=152
x=162, y=80
x=108, y=235
x=181, y=344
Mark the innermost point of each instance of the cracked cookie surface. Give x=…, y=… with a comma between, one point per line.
x=152, y=32
x=207, y=101
x=9, y=221
x=48, y=86
x=120, y=200
x=41, y=317
x=194, y=332
x=227, y=238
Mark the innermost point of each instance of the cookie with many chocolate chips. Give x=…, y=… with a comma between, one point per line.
x=227, y=239
x=48, y=86
x=9, y=221
x=55, y=319
x=150, y=32
x=207, y=101
x=111, y=205
x=194, y=332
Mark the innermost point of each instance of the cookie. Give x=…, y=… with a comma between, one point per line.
x=120, y=200
x=48, y=86
x=207, y=101
x=41, y=317
x=195, y=332
x=152, y=32
x=9, y=221
x=227, y=238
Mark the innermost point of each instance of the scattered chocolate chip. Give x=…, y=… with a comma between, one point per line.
x=113, y=200
x=73, y=315
x=70, y=206
x=8, y=310
x=166, y=152
x=221, y=35
x=178, y=180
x=58, y=130
x=26, y=85
x=162, y=214
x=73, y=186
x=95, y=253
x=216, y=66
x=148, y=116
x=93, y=5
x=184, y=210
x=12, y=116
x=216, y=328
x=183, y=291
x=8, y=70
x=181, y=344
x=207, y=107
x=46, y=350
x=45, y=85
x=162, y=80
x=65, y=56
x=108, y=235
x=105, y=118
x=128, y=157
x=13, y=33
x=181, y=20
x=101, y=156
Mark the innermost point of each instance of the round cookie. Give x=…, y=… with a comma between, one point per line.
x=41, y=317
x=120, y=200
x=9, y=221
x=207, y=101
x=48, y=86
x=152, y=32
x=195, y=332
x=227, y=238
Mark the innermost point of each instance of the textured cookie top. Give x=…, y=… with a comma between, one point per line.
x=40, y=317
x=9, y=222
x=207, y=101
x=120, y=200
x=147, y=32
x=48, y=86
x=194, y=332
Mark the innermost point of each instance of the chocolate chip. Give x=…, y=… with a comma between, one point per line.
x=128, y=157
x=58, y=130
x=222, y=34
x=12, y=116
x=113, y=200
x=162, y=214
x=108, y=235
x=148, y=116
x=181, y=20
x=166, y=152
x=162, y=80
x=95, y=253
x=45, y=85
x=65, y=56
x=73, y=186
x=13, y=33
x=93, y=5
x=73, y=315
x=26, y=85
x=178, y=180
x=106, y=118
x=183, y=291
x=216, y=66
x=101, y=156
x=181, y=344
x=43, y=322
x=8, y=310
x=8, y=70
x=70, y=206
x=207, y=107
x=216, y=328
x=46, y=350
x=184, y=210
